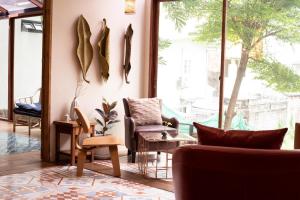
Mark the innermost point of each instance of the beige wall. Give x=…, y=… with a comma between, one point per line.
x=65, y=68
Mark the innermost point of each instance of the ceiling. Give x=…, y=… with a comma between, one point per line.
x=8, y=7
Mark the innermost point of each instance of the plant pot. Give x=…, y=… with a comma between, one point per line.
x=102, y=153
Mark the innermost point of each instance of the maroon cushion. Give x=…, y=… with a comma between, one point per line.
x=265, y=139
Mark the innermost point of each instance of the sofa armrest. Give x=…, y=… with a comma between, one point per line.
x=173, y=121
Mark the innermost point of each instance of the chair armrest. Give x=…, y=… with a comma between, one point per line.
x=129, y=127
x=173, y=121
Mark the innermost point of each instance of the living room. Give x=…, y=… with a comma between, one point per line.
x=222, y=64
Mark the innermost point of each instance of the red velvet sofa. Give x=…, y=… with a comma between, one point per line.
x=224, y=173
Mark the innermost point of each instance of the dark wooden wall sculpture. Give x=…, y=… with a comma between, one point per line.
x=127, y=65
x=103, y=45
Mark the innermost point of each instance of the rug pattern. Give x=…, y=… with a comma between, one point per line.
x=162, y=173
x=62, y=183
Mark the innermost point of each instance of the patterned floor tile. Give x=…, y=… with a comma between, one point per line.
x=80, y=182
x=15, y=180
x=61, y=183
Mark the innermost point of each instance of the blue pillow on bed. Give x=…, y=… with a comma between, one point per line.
x=36, y=107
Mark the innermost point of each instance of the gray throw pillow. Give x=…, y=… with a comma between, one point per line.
x=145, y=111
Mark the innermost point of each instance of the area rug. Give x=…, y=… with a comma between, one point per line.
x=62, y=183
x=11, y=143
x=162, y=172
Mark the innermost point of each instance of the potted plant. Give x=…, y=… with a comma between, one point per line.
x=108, y=116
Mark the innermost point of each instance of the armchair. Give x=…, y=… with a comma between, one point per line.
x=132, y=130
x=27, y=112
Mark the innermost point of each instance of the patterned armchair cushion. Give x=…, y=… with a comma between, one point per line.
x=265, y=139
x=145, y=111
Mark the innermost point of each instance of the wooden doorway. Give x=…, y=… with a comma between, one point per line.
x=26, y=8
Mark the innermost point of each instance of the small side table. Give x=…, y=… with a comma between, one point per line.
x=69, y=128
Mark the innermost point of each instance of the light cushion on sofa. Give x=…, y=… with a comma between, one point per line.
x=145, y=111
x=265, y=139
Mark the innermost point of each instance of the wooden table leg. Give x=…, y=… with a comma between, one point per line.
x=115, y=160
x=73, y=138
x=57, y=144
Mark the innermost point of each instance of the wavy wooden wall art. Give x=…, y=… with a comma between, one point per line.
x=127, y=65
x=84, y=49
x=103, y=45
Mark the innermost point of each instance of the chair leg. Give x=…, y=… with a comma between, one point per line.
x=133, y=155
x=115, y=160
x=80, y=162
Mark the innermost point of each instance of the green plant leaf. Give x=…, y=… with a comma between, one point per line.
x=113, y=122
x=84, y=49
x=105, y=107
x=101, y=112
x=113, y=115
x=99, y=122
x=113, y=105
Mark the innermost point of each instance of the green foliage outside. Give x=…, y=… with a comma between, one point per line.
x=249, y=24
x=162, y=45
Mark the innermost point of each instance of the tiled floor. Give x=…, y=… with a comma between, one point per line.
x=61, y=183
x=20, y=141
x=125, y=165
x=16, y=143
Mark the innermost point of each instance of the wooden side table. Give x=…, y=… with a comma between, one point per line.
x=69, y=128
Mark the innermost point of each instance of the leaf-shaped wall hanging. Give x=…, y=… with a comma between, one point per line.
x=103, y=45
x=84, y=49
x=127, y=65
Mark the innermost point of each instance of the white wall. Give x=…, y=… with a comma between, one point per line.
x=28, y=60
x=66, y=70
x=3, y=64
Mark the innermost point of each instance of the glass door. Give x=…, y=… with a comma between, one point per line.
x=28, y=57
x=189, y=63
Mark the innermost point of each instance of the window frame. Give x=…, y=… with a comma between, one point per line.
x=153, y=57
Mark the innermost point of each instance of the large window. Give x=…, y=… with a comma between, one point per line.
x=260, y=84
x=188, y=70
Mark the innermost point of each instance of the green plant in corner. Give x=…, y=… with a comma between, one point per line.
x=108, y=116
